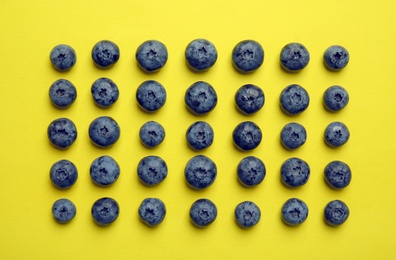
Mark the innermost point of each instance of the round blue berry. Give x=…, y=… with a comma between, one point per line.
x=336, y=134
x=63, y=210
x=62, y=133
x=247, y=136
x=247, y=214
x=104, y=131
x=104, y=92
x=200, y=172
x=336, y=213
x=295, y=172
x=249, y=99
x=152, y=211
x=62, y=93
x=151, y=134
x=251, y=171
x=151, y=96
x=63, y=174
x=247, y=56
x=105, y=54
x=294, y=212
x=294, y=99
x=105, y=211
x=152, y=170
x=63, y=57
x=338, y=174
x=203, y=212
x=104, y=171
x=200, y=135
x=151, y=55
x=336, y=57
x=200, y=98
x=335, y=98
x=294, y=57
x=200, y=54
x=293, y=135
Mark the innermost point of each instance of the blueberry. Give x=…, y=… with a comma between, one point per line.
x=336, y=57
x=62, y=133
x=293, y=135
x=151, y=96
x=62, y=93
x=63, y=210
x=200, y=98
x=338, y=174
x=199, y=135
x=152, y=170
x=105, y=211
x=336, y=213
x=104, y=171
x=247, y=214
x=152, y=211
x=63, y=57
x=295, y=172
x=104, y=92
x=294, y=99
x=247, y=136
x=105, y=54
x=294, y=211
x=203, y=212
x=63, y=174
x=200, y=172
x=335, y=98
x=201, y=54
x=336, y=134
x=104, y=131
x=251, y=171
x=247, y=56
x=249, y=99
x=151, y=55
x=294, y=57
x=151, y=134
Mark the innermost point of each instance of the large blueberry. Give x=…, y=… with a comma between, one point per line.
x=200, y=54
x=151, y=134
x=203, y=212
x=152, y=170
x=151, y=55
x=336, y=213
x=338, y=174
x=151, y=95
x=104, y=131
x=105, y=54
x=105, y=211
x=62, y=93
x=200, y=98
x=335, y=98
x=200, y=172
x=247, y=136
x=295, y=172
x=294, y=57
x=336, y=134
x=199, y=135
x=62, y=133
x=247, y=214
x=294, y=99
x=104, y=170
x=293, y=135
x=63, y=57
x=104, y=92
x=249, y=99
x=251, y=171
x=63, y=174
x=247, y=56
x=336, y=57
x=152, y=211
x=63, y=210
x=294, y=211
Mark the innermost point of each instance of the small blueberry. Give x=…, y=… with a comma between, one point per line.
x=203, y=212
x=63, y=174
x=249, y=99
x=294, y=57
x=295, y=172
x=200, y=98
x=105, y=211
x=104, y=131
x=104, y=171
x=294, y=99
x=247, y=136
x=247, y=214
x=251, y=171
x=199, y=135
x=335, y=98
x=151, y=96
x=152, y=170
x=63, y=57
x=63, y=210
x=336, y=134
x=105, y=54
x=152, y=211
x=151, y=134
x=200, y=54
x=247, y=56
x=338, y=174
x=62, y=93
x=336, y=57
x=336, y=213
x=293, y=135
x=200, y=172
x=151, y=55
x=294, y=212
x=104, y=92
x=62, y=133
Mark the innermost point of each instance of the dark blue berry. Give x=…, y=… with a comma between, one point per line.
x=247, y=136
x=63, y=210
x=104, y=92
x=203, y=212
x=200, y=172
x=62, y=93
x=63, y=57
x=104, y=131
x=151, y=55
x=293, y=135
x=200, y=54
x=295, y=172
x=247, y=214
x=294, y=211
x=104, y=171
x=336, y=134
x=200, y=135
x=249, y=99
x=294, y=57
x=335, y=98
x=251, y=171
x=152, y=170
x=338, y=174
x=152, y=211
x=247, y=56
x=200, y=98
x=151, y=134
x=336, y=213
x=336, y=57
x=151, y=95
x=62, y=133
x=105, y=54
x=63, y=174
x=294, y=99
x=105, y=211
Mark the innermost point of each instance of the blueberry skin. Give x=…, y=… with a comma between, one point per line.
x=247, y=136
x=105, y=211
x=338, y=174
x=294, y=57
x=295, y=172
x=293, y=135
x=104, y=131
x=247, y=56
x=151, y=96
x=336, y=213
x=294, y=212
x=63, y=210
x=63, y=174
x=336, y=57
x=200, y=172
x=151, y=55
x=104, y=92
x=203, y=212
x=249, y=99
x=62, y=93
x=247, y=214
x=200, y=54
x=335, y=98
x=152, y=170
x=152, y=211
x=105, y=54
x=151, y=134
x=199, y=135
x=200, y=98
x=294, y=99
x=62, y=133
x=336, y=134
x=63, y=57
x=104, y=171
x=251, y=171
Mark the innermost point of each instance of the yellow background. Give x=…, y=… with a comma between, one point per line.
x=30, y=29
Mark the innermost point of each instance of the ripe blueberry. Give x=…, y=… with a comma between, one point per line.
x=336, y=57
x=63, y=57
x=247, y=214
x=251, y=171
x=105, y=54
x=152, y=170
x=62, y=93
x=247, y=136
x=62, y=133
x=199, y=135
x=336, y=213
x=63, y=174
x=338, y=174
x=152, y=211
x=200, y=98
x=294, y=57
x=294, y=99
x=249, y=99
x=104, y=92
x=151, y=134
x=294, y=211
x=200, y=54
x=295, y=172
x=63, y=210
x=105, y=211
x=151, y=96
x=104, y=131
x=293, y=135
x=203, y=212
x=151, y=55
x=247, y=56
x=335, y=98
x=336, y=134
x=104, y=171
x=200, y=172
